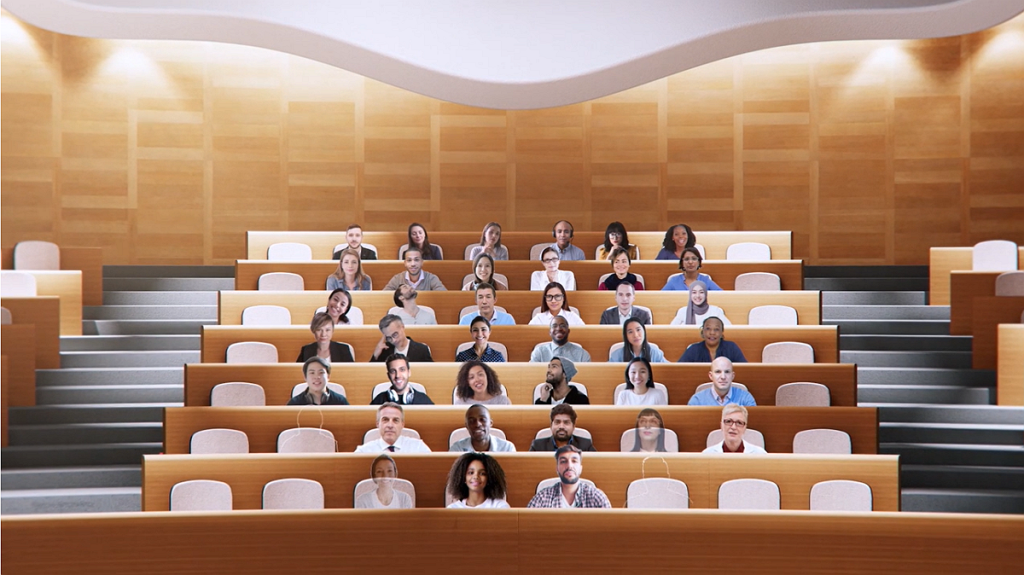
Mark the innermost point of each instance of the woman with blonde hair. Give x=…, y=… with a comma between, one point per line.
x=349, y=274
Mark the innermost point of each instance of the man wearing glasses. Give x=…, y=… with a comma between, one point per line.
x=394, y=341
x=734, y=425
x=559, y=346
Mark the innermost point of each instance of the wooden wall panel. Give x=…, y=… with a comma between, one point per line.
x=167, y=152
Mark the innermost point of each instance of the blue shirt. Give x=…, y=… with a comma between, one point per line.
x=678, y=283
x=657, y=356
x=698, y=353
x=709, y=397
x=500, y=318
x=571, y=253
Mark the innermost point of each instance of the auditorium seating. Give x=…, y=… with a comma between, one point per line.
x=89, y=261
x=67, y=285
x=1010, y=375
x=943, y=261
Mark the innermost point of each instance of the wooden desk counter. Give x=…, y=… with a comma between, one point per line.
x=943, y=261
x=1010, y=365
x=591, y=304
x=964, y=286
x=5, y=387
x=521, y=339
x=519, y=379
x=519, y=422
x=988, y=313
x=452, y=272
x=44, y=313
x=68, y=286
x=19, y=343
x=87, y=260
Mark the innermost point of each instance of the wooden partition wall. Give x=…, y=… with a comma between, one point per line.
x=942, y=262
x=1010, y=387
x=87, y=260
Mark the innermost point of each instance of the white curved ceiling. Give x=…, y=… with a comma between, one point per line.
x=515, y=54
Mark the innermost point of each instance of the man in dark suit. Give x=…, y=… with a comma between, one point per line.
x=354, y=237
x=624, y=308
x=563, y=426
x=393, y=340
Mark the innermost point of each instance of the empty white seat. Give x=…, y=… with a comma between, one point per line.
x=787, y=352
x=628, y=440
x=822, y=441
x=579, y=386
x=238, y=394
x=841, y=495
x=293, y=493
x=384, y=386
x=306, y=440
x=750, y=436
x=657, y=493
x=17, y=284
x=5, y=316
x=536, y=249
x=772, y=315
x=36, y=256
x=1010, y=284
x=994, y=256
x=758, y=281
x=367, y=485
x=802, y=394
x=290, y=251
x=218, y=440
x=462, y=433
x=750, y=251
x=201, y=495
x=744, y=494
x=498, y=347
x=335, y=387
x=374, y=434
x=266, y=315
x=281, y=281
x=251, y=352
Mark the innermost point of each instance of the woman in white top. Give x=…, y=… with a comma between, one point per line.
x=490, y=243
x=477, y=383
x=551, y=273
x=555, y=302
x=640, y=388
x=411, y=314
x=383, y=470
x=698, y=308
x=476, y=481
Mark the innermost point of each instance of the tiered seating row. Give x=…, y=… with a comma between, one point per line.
x=943, y=261
x=1010, y=387
x=87, y=260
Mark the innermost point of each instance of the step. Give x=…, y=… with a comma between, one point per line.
x=145, y=327
x=961, y=476
x=984, y=414
x=128, y=358
x=86, y=433
x=162, y=271
x=874, y=298
x=969, y=433
x=924, y=376
x=890, y=326
x=935, y=394
x=889, y=312
x=896, y=342
x=160, y=298
x=963, y=500
x=150, y=312
x=110, y=376
x=168, y=284
x=162, y=342
x=24, y=456
x=900, y=271
x=934, y=359
x=866, y=284
x=77, y=500
x=955, y=453
x=93, y=413
x=79, y=394
x=71, y=477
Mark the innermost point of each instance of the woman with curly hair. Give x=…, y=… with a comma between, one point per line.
x=476, y=481
x=477, y=383
x=677, y=238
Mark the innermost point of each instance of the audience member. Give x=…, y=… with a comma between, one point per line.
x=384, y=471
x=677, y=238
x=401, y=390
x=624, y=309
x=476, y=481
x=551, y=274
x=480, y=330
x=722, y=391
x=316, y=371
x=615, y=236
x=556, y=388
x=563, y=232
x=339, y=303
x=394, y=341
x=483, y=273
x=690, y=263
x=563, y=429
x=411, y=314
x=640, y=389
x=635, y=344
x=354, y=237
x=486, y=298
x=553, y=303
x=559, y=346
x=698, y=309
x=349, y=274
x=478, y=424
x=414, y=274
x=476, y=382
x=570, y=491
x=390, y=423
x=620, y=272
x=322, y=327
x=418, y=239
x=734, y=425
x=649, y=436
x=712, y=345
x=490, y=243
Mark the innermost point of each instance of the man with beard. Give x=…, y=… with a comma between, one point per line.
x=559, y=346
x=556, y=388
x=563, y=427
x=570, y=492
x=406, y=308
x=401, y=391
x=478, y=424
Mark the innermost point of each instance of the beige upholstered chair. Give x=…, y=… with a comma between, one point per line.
x=238, y=394
x=201, y=495
x=994, y=256
x=281, y=281
x=772, y=315
x=758, y=281
x=1010, y=284
x=802, y=394
x=293, y=493
x=841, y=495
x=749, y=251
x=787, y=352
x=306, y=440
x=822, y=441
x=36, y=256
x=266, y=315
x=657, y=493
x=218, y=440
x=290, y=251
x=17, y=284
x=748, y=494
x=251, y=352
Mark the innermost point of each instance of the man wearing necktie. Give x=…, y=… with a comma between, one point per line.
x=390, y=423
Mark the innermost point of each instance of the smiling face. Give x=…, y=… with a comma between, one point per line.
x=550, y=260
x=418, y=234
x=407, y=292
x=569, y=467
x=624, y=297
x=680, y=237
x=384, y=472
x=390, y=423
x=478, y=423
x=559, y=330
x=621, y=265
x=485, y=302
x=354, y=237
x=722, y=375
x=477, y=379
x=563, y=234
x=480, y=333
x=638, y=376
x=698, y=296
x=712, y=331
x=554, y=298
x=337, y=304
x=316, y=378
x=484, y=270
x=555, y=374
x=635, y=334
x=413, y=262
x=398, y=374
x=349, y=264
x=476, y=477
x=324, y=332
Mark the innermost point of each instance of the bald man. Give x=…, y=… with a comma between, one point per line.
x=722, y=391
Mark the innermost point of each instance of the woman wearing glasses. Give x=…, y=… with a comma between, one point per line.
x=615, y=236
x=555, y=303
x=734, y=425
x=690, y=263
x=551, y=274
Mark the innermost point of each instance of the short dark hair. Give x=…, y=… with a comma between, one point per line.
x=567, y=448
x=388, y=320
x=564, y=409
x=397, y=297
x=714, y=317
x=317, y=359
x=485, y=285
x=354, y=226
x=496, y=486
x=393, y=358
x=694, y=251
x=670, y=244
x=650, y=372
x=480, y=319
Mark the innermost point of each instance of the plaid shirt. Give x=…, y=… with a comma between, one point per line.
x=586, y=496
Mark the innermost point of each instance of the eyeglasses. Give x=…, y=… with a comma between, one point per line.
x=691, y=260
x=614, y=234
x=549, y=260
x=554, y=297
x=732, y=422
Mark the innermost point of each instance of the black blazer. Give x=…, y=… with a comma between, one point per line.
x=339, y=353
x=574, y=397
x=330, y=398
x=417, y=352
x=610, y=316
x=548, y=444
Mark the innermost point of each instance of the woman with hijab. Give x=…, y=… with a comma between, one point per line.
x=698, y=308
x=650, y=432
x=635, y=344
x=620, y=272
x=677, y=238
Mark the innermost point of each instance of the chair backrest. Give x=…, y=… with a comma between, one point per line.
x=603, y=277
x=628, y=440
x=536, y=311
x=1010, y=284
x=381, y=387
x=5, y=316
x=579, y=387
x=750, y=251
x=772, y=315
x=498, y=347
x=657, y=493
x=787, y=352
x=700, y=250
x=640, y=279
x=536, y=249
x=758, y=281
x=545, y=483
x=238, y=394
x=251, y=352
x=622, y=387
x=994, y=256
x=615, y=346
x=335, y=387
x=281, y=281
x=306, y=440
x=462, y=433
x=822, y=441
x=743, y=494
x=546, y=432
x=367, y=485
x=219, y=440
x=355, y=315
x=841, y=495
x=455, y=398
x=289, y=251
x=707, y=385
x=266, y=315
x=293, y=493
x=36, y=256
x=802, y=394
x=17, y=284
x=374, y=434
x=401, y=250
x=750, y=436
x=201, y=495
